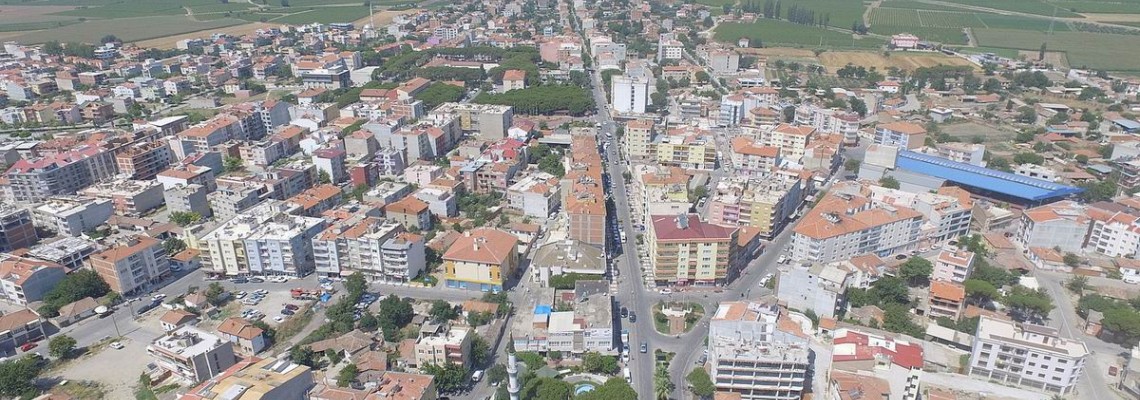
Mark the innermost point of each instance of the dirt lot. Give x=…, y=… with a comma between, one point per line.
x=909, y=61
x=17, y=14
x=128, y=363
x=1112, y=17
x=170, y=41
x=968, y=130
x=383, y=18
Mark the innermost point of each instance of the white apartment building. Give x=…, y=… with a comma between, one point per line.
x=669, y=48
x=751, y=355
x=830, y=120
x=866, y=355
x=587, y=328
x=440, y=202
x=191, y=354
x=1026, y=355
x=378, y=249
x=945, y=217
x=537, y=195
x=72, y=215
x=954, y=265
x=724, y=62
x=1062, y=224
x=263, y=240
x=814, y=286
x=843, y=226
x=969, y=153
x=791, y=140
x=629, y=94
x=1114, y=234
x=440, y=345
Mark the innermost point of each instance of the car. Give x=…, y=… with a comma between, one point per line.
x=644, y=347
x=624, y=312
x=292, y=307
x=279, y=319
x=256, y=280
x=28, y=346
x=158, y=297
x=117, y=345
x=477, y=376
x=782, y=259
x=702, y=360
x=666, y=291
x=239, y=280
x=632, y=317
x=287, y=312
x=261, y=292
x=241, y=295
x=175, y=268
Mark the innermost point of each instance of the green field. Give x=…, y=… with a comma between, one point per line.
x=916, y=5
x=716, y=3
x=946, y=26
x=995, y=21
x=1083, y=49
x=1118, y=7
x=1023, y=6
x=325, y=15
x=32, y=26
x=772, y=32
x=842, y=12
x=127, y=29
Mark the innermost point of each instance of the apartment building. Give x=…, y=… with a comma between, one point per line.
x=583, y=196
x=724, y=62
x=689, y=148
x=25, y=280
x=831, y=121
x=440, y=344
x=217, y=130
x=490, y=121
x=687, y=251
x=969, y=153
x=331, y=161
x=142, y=161
x=192, y=355
x=16, y=228
x=316, y=200
x=249, y=338
x=70, y=252
x=188, y=175
x=1063, y=224
x=752, y=160
x=946, y=299
x=537, y=195
x=766, y=204
x=867, y=357
x=188, y=198
x=232, y=198
x=629, y=94
x=819, y=287
x=441, y=202
x=72, y=215
x=263, y=240
x=18, y=328
x=1026, y=355
x=410, y=212
x=128, y=197
x=35, y=180
x=132, y=264
x=588, y=327
x=639, y=134
x=946, y=214
x=1115, y=228
x=380, y=250
x=482, y=259
x=790, y=139
x=901, y=134
x=953, y=265
x=752, y=354
x=257, y=379
x=842, y=226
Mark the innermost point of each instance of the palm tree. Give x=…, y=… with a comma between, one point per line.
x=662, y=385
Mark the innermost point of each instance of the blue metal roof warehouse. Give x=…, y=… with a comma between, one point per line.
x=1005, y=184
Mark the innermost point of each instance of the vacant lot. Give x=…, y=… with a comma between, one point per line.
x=837, y=59
x=773, y=32
x=169, y=42
x=1108, y=53
x=968, y=130
x=127, y=29
x=325, y=15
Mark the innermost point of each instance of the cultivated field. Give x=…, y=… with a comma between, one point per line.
x=169, y=42
x=325, y=15
x=127, y=29
x=774, y=32
x=1083, y=49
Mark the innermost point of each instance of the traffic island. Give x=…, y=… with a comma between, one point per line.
x=676, y=318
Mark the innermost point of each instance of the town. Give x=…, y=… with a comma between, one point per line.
x=572, y=199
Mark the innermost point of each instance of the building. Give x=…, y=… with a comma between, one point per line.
x=946, y=214
x=1063, y=224
x=868, y=356
x=767, y=204
x=687, y=251
x=791, y=140
x=70, y=252
x=128, y=197
x=411, y=212
x=751, y=160
x=378, y=249
x=842, y=226
x=37, y=179
x=904, y=41
x=442, y=203
x=586, y=328
x=947, y=299
x=192, y=355
x=72, y=215
x=751, y=354
x=514, y=79
x=400, y=385
x=331, y=162
x=969, y=153
x=1026, y=355
x=905, y=135
x=132, y=264
x=639, y=134
x=482, y=259
x=583, y=197
x=248, y=337
x=264, y=240
x=953, y=265
x=257, y=379
x=1115, y=228
x=143, y=161
x=537, y=195
x=16, y=228
x=490, y=121
x=26, y=280
x=566, y=257
x=18, y=328
x=629, y=94
x=188, y=199
x=441, y=344
x=818, y=287
x=724, y=62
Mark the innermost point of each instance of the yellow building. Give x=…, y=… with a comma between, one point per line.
x=482, y=259
x=686, y=148
x=687, y=251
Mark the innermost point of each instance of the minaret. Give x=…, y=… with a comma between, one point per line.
x=512, y=376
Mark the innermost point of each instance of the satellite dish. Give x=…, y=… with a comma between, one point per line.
x=101, y=309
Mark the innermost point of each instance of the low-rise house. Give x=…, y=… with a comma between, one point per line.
x=76, y=311
x=249, y=338
x=176, y=318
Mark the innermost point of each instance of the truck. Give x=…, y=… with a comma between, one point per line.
x=625, y=336
x=304, y=294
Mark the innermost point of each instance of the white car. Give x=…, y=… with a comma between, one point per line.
x=279, y=319
x=158, y=297
x=117, y=345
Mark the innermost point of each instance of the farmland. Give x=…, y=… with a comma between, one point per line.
x=774, y=32
x=325, y=15
x=1106, y=54
x=127, y=29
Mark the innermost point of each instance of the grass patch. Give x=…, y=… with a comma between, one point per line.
x=1107, y=54
x=995, y=21
x=325, y=15
x=773, y=33
x=292, y=326
x=127, y=29
x=82, y=390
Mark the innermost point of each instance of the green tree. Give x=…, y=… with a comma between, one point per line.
x=546, y=389
x=173, y=245
x=533, y=360
x=613, y=389
x=61, y=346
x=496, y=374
x=979, y=291
x=214, y=293
x=449, y=377
x=323, y=177
x=889, y=182
x=662, y=384
x=1027, y=304
x=1028, y=158
x=996, y=276
x=890, y=290
x=303, y=355
x=480, y=351
x=703, y=77
x=700, y=383
x=916, y=271
x=368, y=322
x=75, y=286
x=184, y=218
x=896, y=318
x=232, y=164
x=1124, y=323
x=442, y=311
x=600, y=364
x=852, y=165
x=17, y=377
x=347, y=375
x=355, y=285
x=1078, y=283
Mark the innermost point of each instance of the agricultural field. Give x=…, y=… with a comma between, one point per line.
x=773, y=33
x=842, y=12
x=1022, y=6
x=1108, y=53
x=325, y=15
x=127, y=29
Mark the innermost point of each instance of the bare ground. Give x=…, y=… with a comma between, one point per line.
x=238, y=30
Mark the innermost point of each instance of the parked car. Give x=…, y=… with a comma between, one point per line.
x=117, y=345
x=256, y=280
x=287, y=312
x=624, y=312
x=279, y=319
x=28, y=346
x=632, y=317
x=292, y=307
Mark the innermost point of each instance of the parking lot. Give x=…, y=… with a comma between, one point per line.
x=265, y=305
